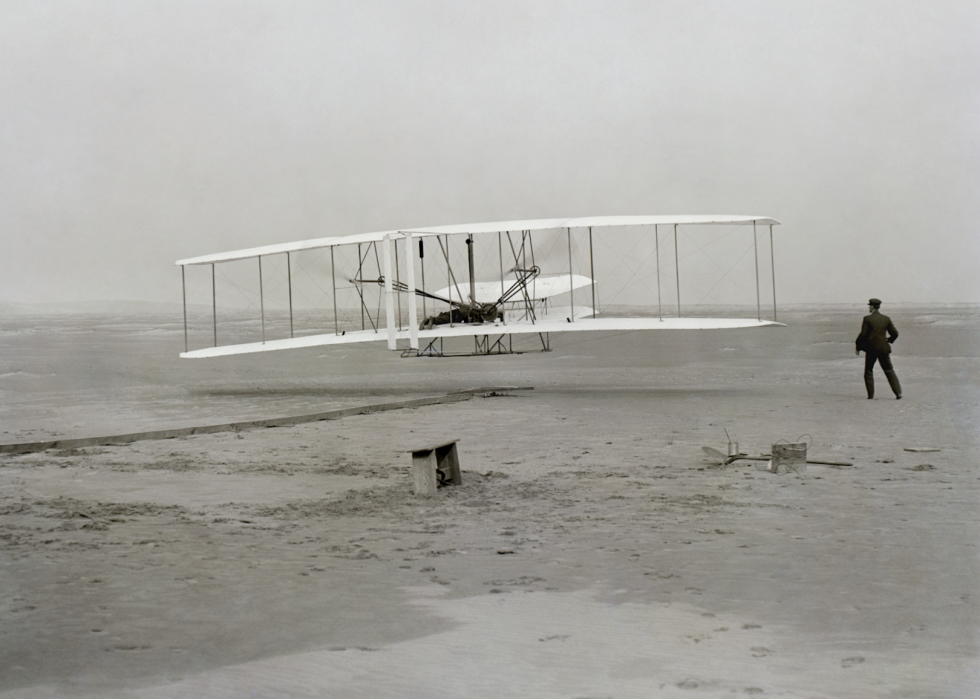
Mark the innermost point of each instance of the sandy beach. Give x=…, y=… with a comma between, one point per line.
x=592, y=549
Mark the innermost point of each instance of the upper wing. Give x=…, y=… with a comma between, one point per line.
x=475, y=228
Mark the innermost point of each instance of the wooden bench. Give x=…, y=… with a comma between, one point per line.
x=434, y=466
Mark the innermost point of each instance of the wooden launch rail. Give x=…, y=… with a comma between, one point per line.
x=118, y=439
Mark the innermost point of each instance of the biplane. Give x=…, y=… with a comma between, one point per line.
x=482, y=283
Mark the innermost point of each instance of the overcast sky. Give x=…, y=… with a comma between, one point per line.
x=135, y=133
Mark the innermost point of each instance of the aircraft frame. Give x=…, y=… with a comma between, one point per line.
x=518, y=301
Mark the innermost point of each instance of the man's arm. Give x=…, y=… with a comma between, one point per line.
x=892, y=333
x=861, y=340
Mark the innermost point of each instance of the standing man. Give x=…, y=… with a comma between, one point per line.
x=877, y=348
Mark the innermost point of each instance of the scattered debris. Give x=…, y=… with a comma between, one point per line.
x=788, y=457
x=769, y=467
x=922, y=449
x=722, y=460
x=732, y=446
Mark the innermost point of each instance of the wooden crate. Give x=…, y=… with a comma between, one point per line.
x=429, y=462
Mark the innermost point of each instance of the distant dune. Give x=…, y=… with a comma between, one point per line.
x=63, y=307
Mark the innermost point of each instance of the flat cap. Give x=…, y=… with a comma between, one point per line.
x=874, y=302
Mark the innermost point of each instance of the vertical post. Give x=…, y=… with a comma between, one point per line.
x=592, y=272
x=377, y=262
x=525, y=244
x=772, y=260
x=758, y=298
x=183, y=288
x=389, y=294
x=289, y=283
x=422, y=268
x=500, y=252
x=261, y=300
x=214, y=306
x=449, y=276
x=529, y=303
x=677, y=272
x=413, y=323
x=469, y=260
x=360, y=263
x=333, y=279
x=656, y=238
x=398, y=278
x=571, y=281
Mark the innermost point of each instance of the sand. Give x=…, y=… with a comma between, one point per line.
x=591, y=551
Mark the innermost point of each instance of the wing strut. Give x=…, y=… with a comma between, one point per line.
x=360, y=261
x=413, y=325
x=592, y=273
x=571, y=284
x=772, y=259
x=289, y=283
x=422, y=268
x=758, y=298
x=449, y=271
x=656, y=238
x=500, y=252
x=389, y=294
x=261, y=300
x=183, y=288
x=333, y=279
x=677, y=273
x=398, y=278
x=469, y=259
x=214, y=305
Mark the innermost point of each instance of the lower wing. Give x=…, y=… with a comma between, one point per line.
x=520, y=327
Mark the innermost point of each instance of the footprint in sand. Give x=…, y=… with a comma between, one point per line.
x=851, y=662
x=760, y=652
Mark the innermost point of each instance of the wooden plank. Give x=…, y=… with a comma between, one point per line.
x=447, y=461
x=424, y=472
x=432, y=447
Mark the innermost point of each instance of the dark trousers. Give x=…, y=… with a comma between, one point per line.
x=886, y=365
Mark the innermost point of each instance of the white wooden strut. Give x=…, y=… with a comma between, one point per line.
x=389, y=293
x=413, y=323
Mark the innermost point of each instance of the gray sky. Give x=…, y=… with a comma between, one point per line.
x=135, y=133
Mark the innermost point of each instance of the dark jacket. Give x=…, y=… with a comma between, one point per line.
x=872, y=337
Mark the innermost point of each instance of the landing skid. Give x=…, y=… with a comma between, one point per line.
x=482, y=346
